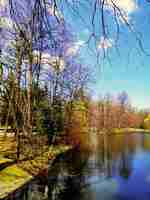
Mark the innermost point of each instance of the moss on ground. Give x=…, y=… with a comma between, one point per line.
x=15, y=176
x=40, y=163
x=12, y=178
x=7, y=146
x=5, y=161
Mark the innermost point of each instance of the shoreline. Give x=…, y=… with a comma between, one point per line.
x=16, y=176
x=129, y=130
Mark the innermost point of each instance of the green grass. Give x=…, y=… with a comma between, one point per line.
x=12, y=178
x=17, y=175
x=5, y=160
x=40, y=163
x=130, y=130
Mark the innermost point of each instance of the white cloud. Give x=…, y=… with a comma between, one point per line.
x=80, y=43
x=125, y=6
x=55, y=12
x=6, y=22
x=3, y=3
x=128, y=6
x=74, y=48
x=125, y=19
x=105, y=43
x=49, y=61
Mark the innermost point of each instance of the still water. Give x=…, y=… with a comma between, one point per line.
x=115, y=168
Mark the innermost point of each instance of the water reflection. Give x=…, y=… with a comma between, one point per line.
x=115, y=168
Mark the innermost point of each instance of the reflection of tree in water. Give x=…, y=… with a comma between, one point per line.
x=102, y=156
x=71, y=172
x=111, y=151
x=125, y=165
x=126, y=161
x=106, y=156
x=66, y=175
x=72, y=188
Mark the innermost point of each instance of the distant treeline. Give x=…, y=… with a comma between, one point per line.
x=117, y=112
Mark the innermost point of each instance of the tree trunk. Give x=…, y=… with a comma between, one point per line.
x=29, y=96
x=17, y=109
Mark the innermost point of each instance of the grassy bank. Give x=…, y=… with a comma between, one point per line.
x=14, y=175
x=130, y=130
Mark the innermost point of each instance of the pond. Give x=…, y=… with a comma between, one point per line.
x=115, y=167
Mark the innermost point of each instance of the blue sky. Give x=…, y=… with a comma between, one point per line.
x=130, y=69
